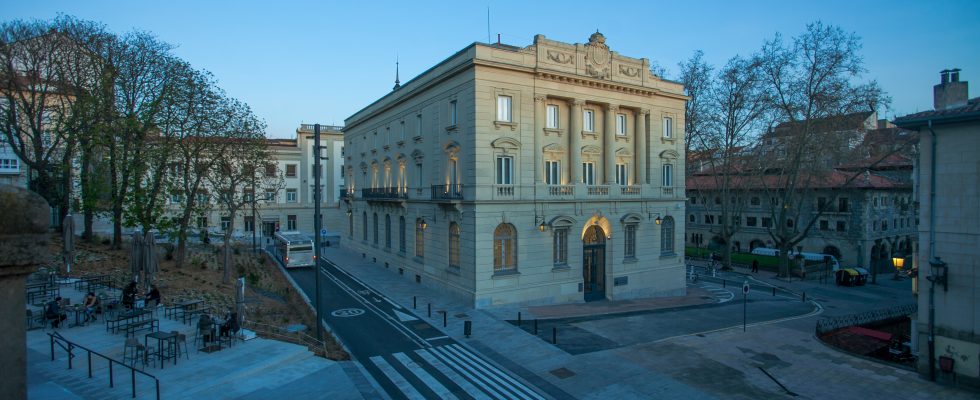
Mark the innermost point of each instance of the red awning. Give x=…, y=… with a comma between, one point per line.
x=885, y=336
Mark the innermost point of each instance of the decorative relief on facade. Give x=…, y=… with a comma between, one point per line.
x=559, y=57
x=506, y=143
x=597, y=56
x=629, y=71
x=591, y=150
x=553, y=148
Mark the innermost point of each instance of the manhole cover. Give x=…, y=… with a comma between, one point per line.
x=562, y=373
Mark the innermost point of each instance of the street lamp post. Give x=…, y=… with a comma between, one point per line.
x=316, y=227
x=898, y=263
x=937, y=275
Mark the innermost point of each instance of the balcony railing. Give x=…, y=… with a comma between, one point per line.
x=595, y=190
x=323, y=128
x=505, y=190
x=386, y=193
x=447, y=192
x=668, y=191
x=561, y=190
x=633, y=190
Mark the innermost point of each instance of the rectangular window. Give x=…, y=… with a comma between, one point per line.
x=270, y=195
x=560, y=247
x=766, y=222
x=452, y=113
x=505, y=170
x=248, y=195
x=270, y=170
x=202, y=222
x=290, y=222
x=503, y=109
x=418, y=176
x=750, y=221
x=630, y=250
x=842, y=205
x=841, y=226
x=668, y=175
x=668, y=127
x=249, y=224
x=621, y=124
x=588, y=173
x=552, y=172
x=621, y=175
x=552, y=121
x=418, y=125
x=290, y=170
x=225, y=223
x=291, y=195
x=824, y=225
x=175, y=199
x=821, y=203
x=588, y=120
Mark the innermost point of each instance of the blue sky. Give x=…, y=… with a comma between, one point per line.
x=304, y=62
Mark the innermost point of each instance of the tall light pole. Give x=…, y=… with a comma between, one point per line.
x=316, y=226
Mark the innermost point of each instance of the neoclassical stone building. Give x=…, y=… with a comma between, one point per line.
x=551, y=173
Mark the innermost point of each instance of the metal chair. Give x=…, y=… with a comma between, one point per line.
x=182, y=338
x=134, y=351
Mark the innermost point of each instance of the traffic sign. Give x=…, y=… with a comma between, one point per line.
x=745, y=287
x=323, y=232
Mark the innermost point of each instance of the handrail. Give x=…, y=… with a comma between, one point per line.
x=319, y=346
x=56, y=337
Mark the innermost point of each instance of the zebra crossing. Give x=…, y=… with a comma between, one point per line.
x=448, y=372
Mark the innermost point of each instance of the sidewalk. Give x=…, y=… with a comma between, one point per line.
x=721, y=364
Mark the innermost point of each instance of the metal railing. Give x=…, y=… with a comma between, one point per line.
x=447, y=192
x=825, y=325
x=316, y=346
x=383, y=193
x=69, y=346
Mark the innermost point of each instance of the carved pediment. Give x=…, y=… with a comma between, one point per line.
x=418, y=155
x=668, y=155
x=451, y=147
x=590, y=149
x=631, y=218
x=624, y=152
x=597, y=56
x=506, y=143
x=561, y=221
x=553, y=148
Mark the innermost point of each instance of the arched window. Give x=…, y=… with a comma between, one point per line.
x=375, y=220
x=364, y=224
x=388, y=231
x=667, y=236
x=504, y=248
x=453, y=245
x=401, y=234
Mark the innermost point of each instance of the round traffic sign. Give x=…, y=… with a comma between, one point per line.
x=745, y=287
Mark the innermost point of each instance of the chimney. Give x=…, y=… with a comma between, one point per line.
x=950, y=92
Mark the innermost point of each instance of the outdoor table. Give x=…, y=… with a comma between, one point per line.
x=171, y=345
x=215, y=341
x=125, y=318
x=184, y=306
x=76, y=309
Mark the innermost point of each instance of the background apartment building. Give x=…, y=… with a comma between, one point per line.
x=947, y=327
x=543, y=174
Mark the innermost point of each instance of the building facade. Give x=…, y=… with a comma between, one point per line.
x=291, y=207
x=535, y=175
x=868, y=214
x=947, y=327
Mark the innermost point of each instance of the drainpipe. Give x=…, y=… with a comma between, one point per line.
x=932, y=255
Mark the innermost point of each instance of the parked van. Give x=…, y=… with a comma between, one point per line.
x=814, y=257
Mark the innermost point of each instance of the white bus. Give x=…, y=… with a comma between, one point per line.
x=762, y=251
x=294, y=249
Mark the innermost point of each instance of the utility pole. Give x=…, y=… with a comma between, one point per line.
x=316, y=227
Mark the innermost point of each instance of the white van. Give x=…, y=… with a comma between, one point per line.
x=816, y=257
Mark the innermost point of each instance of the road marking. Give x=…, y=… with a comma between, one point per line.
x=452, y=375
x=396, y=378
x=491, y=375
x=384, y=315
x=347, y=312
x=404, y=317
x=513, y=384
x=817, y=311
x=429, y=381
x=470, y=374
x=437, y=338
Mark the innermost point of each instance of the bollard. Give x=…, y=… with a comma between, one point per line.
x=430, y=309
x=804, y=297
x=723, y=283
x=444, y=313
x=773, y=290
x=414, y=303
x=467, y=328
x=518, y=318
x=535, y=327
x=554, y=335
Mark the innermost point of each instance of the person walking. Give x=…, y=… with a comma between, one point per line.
x=755, y=266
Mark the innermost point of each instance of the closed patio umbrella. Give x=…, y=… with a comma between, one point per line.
x=68, y=241
x=135, y=259
x=151, y=263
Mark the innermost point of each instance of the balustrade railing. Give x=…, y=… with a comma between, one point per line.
x=505, y=190
x=447, y=192
x=632, y=190
x=561, y=190
x=383, y=193
x=595, y=190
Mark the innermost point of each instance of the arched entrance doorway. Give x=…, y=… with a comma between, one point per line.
x=594, y=263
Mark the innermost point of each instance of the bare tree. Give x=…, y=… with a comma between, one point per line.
x=697, y=80
x=811, y=84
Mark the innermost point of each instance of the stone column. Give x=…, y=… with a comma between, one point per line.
x=23, y=239
x=640, y=147
x=609, y=145
x=540, y=114
x=575, y=142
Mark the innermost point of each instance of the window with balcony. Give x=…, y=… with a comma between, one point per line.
x=505, y=170
x=668, y=175
x=552, y=172
x=588, y=173
x=621, y=175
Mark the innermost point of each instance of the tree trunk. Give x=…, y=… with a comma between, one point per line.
x=117, y=226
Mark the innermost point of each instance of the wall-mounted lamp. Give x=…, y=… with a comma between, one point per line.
x=423, y=225
x=349, y=212
x=940, y=273
x=541, y=226
x=656, y=221
x=898, y=263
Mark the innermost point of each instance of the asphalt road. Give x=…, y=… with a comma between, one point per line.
x=406, y=356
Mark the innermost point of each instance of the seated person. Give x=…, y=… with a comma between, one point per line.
x=91, y=303
x=53, y=312
x=153, y=297
x=230, y=326
x=205, y=327
x=129, y=296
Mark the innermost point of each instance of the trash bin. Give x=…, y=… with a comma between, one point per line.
x=467, y=328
